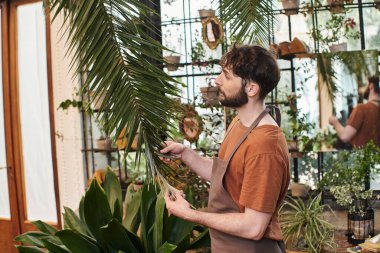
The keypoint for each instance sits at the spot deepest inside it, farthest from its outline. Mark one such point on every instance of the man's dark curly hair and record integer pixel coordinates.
(253, 64)
(375, 81)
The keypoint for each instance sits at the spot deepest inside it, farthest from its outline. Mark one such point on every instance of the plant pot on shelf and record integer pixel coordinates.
(338, 47)
(336, 6)
(205, 13)
(290, 6)
(104, 144)
(299, 190)
(122, 142)
(210, 95)
(292, 145)
(377, 4)
(172, 62)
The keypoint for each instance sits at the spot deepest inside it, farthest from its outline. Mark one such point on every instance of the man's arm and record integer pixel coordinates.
(200, 165)
(344, 133)
(250, 225)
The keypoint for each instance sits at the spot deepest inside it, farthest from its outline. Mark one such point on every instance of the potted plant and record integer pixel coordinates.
(299, 129)
(290, 6)
(198, 53)
(337, 6)
(104, 142)
(304, 226)
(210, 93)
(347, 179)
(336, 32)
(172, 40)
(172, 62)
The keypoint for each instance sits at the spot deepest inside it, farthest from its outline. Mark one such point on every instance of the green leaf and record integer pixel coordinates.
(72, 221)
(167, 248)
(132, 209)
(97, 211)
(158, 227)
(44, 227)
(117, 211)
(32, 238)
(179, 229)
(120, 238)
(148, 199)
(29, 249)
(113, 190)
(77, 243)
(52, 247)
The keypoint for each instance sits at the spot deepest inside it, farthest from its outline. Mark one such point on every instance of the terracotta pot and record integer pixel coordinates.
(205, 13)
(336, 6)
(104, 144)
(299, 190)
(122, 142)
(292, 145)
(210, 95)
(338, 47)
(172, 62)
(290, 6)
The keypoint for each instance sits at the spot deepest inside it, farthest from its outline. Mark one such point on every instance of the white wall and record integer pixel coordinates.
(67, 124)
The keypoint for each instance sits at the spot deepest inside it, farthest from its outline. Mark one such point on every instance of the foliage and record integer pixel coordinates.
(300, 221)
(356, 64)
(198, 53)
(101, 228)
(300, 127)
(213, 129)
(347, 175)
(335, 29)
(248, 19)
(122, 60)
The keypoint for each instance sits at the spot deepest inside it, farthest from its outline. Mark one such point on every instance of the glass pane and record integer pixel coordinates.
(34, 113)
(4, 194)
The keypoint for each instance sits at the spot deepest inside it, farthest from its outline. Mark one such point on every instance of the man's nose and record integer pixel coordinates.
(217, 80)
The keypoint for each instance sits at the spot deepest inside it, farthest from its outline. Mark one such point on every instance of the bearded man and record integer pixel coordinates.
(250, 177)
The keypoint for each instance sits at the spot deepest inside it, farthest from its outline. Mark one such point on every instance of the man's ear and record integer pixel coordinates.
(252, 89)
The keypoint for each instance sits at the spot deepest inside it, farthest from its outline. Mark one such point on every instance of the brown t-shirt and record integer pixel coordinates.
(258, 174)
(365, 118)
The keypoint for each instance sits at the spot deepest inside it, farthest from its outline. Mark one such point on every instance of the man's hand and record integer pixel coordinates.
(174, 149)
(177, 205)
(333, 120)
(345, 133)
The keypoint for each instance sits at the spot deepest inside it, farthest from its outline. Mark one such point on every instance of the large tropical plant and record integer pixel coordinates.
(112, 42)
(100, 227)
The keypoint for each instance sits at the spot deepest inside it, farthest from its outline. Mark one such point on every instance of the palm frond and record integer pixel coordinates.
(110, 41)
(328, 74)
(248, 19)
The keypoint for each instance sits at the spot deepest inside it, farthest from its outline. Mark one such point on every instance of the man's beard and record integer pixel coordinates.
(366, 93)
(235, 101)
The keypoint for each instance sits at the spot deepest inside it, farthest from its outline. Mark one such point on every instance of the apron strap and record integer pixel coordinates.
(277, 114)
(242, 139)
